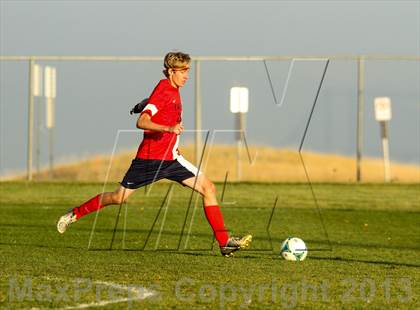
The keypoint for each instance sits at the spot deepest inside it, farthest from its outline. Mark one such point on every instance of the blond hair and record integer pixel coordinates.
(175, 60)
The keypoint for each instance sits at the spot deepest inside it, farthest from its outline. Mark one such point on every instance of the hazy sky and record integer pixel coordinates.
(209, 27)
(93, 98)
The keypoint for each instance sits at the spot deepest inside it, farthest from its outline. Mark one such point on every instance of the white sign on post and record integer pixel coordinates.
(239, 99)
(37, 80)
(50, 81)
(383, 116)
(50, 91)
(382, 109)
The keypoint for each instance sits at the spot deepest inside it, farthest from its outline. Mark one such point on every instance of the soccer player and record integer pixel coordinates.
(158, 157)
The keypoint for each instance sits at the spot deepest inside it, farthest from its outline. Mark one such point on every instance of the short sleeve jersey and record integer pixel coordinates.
(165, 108)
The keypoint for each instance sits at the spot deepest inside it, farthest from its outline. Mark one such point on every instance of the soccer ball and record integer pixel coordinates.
(293, 249)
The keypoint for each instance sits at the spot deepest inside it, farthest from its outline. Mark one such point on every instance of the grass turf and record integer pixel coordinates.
(371, 258)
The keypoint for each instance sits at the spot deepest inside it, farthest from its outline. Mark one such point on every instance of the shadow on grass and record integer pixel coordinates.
(33, 245)
(247, 254)
(351, 260)
(367, 245)
(313, 245)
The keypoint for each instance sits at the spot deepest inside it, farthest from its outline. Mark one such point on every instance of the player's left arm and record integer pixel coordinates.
(144, 122)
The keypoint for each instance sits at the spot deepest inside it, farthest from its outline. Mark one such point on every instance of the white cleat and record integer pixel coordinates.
(65, 221)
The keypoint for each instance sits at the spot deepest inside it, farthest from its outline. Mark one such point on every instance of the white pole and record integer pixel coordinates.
(240, 138)
(385, 147)
(239, 100)
(197, 113)
(38, 134)
(383, 115)
(360, 115)
(50, 127)
(37, 88)
(238, 161)
(50, 94)
(238, 147)
(30, 119)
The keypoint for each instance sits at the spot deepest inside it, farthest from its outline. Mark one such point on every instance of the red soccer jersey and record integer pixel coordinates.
(165, 108)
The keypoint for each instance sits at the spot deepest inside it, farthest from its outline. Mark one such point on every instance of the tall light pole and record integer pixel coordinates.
(383, 116)
(30, 119)
(37, 92)
(360, 115)
(197, 96)
(239, 102)
(50, 94)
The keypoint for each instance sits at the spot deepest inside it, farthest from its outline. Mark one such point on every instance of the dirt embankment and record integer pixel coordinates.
(266, 164)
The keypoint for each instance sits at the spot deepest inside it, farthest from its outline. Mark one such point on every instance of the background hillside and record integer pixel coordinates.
(269, 165)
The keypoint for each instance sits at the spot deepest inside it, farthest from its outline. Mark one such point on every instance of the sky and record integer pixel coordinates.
(93, 98)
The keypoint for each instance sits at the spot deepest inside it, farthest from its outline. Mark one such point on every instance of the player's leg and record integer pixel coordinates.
(140, 173)
(206, 188)
(188, 175)
(119, 196)
(214, 216)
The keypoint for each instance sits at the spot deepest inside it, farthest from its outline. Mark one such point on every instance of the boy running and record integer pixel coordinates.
(158, 157)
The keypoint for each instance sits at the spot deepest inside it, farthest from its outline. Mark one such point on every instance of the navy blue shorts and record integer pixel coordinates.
(146, 171)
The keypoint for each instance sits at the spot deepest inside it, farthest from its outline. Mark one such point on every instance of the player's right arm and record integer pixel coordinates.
(145, 122)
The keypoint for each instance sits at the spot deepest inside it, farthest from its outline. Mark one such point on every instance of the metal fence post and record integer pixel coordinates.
(197, 113)
(360, 114)
(30, 119)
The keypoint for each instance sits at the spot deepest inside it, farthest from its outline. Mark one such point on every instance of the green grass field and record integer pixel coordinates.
(371, 260)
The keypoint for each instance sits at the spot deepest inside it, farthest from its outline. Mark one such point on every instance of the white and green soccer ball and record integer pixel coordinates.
(293, 249)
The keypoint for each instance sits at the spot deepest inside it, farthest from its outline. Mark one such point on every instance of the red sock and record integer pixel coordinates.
(215, 219)
(88, 207)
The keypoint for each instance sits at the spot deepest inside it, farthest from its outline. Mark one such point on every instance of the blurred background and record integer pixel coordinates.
(93, 131)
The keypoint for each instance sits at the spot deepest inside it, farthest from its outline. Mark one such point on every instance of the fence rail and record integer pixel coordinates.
(359, 59)
(213, 58)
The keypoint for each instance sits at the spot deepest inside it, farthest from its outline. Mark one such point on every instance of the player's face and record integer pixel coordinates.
(179, 76)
